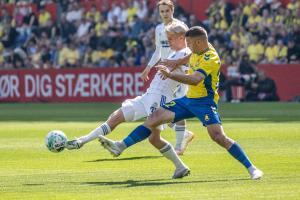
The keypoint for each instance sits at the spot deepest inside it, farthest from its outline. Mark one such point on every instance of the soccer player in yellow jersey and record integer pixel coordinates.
(200, 102)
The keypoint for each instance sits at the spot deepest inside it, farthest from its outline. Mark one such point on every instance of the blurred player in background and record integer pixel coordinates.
(201, 102)
(159, 92)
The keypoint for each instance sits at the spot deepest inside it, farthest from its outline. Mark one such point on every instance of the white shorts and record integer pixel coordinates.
(142, 106)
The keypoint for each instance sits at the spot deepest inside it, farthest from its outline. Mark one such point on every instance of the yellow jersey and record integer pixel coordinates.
(208, 64)
(255, 51)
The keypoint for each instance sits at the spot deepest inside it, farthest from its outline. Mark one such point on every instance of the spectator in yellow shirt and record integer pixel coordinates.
(248, 7)
(44, 17)
(131, 12)
(219, 22)
(69, 56)
(244, 37)
(282, 52)
(255, 50)
(93, 13)
(293, 5)
(266, 21)
(279, 16)
(253, 20)
(271, 51)
(101, 27)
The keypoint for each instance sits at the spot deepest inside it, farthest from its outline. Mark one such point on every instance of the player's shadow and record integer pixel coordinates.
(156, 182)
(124, 159)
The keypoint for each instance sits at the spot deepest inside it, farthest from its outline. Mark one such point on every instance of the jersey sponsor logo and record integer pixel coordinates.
(164, 43)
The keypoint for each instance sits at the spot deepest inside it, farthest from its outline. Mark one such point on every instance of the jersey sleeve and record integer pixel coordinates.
(157, 53)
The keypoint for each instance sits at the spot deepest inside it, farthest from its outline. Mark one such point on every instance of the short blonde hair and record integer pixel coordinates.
(177, 28)
(167, 3)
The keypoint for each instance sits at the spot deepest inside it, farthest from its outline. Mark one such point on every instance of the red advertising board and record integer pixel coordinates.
(108, 85)
(70, 85)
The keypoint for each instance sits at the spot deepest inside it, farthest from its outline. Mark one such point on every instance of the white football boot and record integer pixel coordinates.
(74, 144)
(110, 145)
(181, 172)
(255, 173)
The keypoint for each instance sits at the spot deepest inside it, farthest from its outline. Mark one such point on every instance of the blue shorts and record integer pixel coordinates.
(205, 109)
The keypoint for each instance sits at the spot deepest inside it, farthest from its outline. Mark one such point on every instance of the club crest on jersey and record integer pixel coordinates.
(206, 118)
(206, 57)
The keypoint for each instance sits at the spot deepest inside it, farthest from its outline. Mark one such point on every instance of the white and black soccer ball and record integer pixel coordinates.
(56, 141)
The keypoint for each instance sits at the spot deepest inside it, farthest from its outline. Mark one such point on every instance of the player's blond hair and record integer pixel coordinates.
(166, 3)
(177, 28)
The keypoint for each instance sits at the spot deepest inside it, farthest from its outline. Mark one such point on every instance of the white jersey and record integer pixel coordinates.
(160, 92)
(168, 86)
(162, 47)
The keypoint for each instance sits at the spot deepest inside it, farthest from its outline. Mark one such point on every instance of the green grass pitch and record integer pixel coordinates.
(269, 133)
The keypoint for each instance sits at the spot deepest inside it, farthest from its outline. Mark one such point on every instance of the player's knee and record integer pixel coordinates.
(115, 119)
(127, 112)
(219, 138)
(152, 121)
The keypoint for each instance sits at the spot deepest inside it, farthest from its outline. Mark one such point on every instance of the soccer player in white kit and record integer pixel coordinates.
(159, 92)
(176, 37)
(162, 52)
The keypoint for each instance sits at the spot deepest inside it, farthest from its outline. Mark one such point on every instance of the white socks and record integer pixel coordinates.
(103, 129)
(180, 130)
(169, 152)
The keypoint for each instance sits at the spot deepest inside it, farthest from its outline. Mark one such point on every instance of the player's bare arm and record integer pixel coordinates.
(174, 64)
(145, 74)
(191, 79)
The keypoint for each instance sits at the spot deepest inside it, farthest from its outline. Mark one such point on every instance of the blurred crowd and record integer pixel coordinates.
(250, 33)
(120, 35)
(106, 35)
(265, 30)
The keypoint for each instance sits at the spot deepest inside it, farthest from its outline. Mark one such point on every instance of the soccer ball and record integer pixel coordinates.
(56, 141)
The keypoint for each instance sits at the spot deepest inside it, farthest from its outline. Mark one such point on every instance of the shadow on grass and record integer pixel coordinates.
(156, 182)
(120, 159)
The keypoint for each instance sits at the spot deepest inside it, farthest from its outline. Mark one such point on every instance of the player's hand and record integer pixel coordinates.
(171, 64)
(144, 75)
(164, 71)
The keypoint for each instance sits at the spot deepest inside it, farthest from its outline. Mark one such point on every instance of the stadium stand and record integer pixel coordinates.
(45, 34)
(69, 33)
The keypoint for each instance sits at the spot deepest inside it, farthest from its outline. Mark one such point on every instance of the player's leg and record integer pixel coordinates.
(167, 150)
(139, 134)
(218, 135)
(116, 118)
(183, 136)
(172, 111)
(131, 110)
